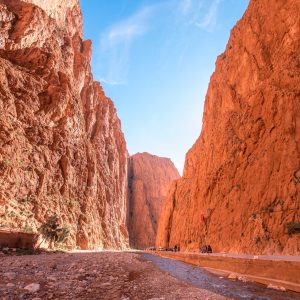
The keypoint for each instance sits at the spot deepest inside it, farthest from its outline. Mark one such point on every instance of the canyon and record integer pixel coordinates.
(62, 150)
(63, 157)
(240, 189)
(149, 179)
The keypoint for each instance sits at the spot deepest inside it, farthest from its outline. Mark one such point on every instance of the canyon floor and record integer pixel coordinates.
(118, 275)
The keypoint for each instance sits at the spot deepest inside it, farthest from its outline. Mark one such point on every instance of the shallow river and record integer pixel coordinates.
(201, 278)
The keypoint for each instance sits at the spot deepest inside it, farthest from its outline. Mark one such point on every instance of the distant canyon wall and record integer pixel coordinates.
(62, 150)
(240, 191)
(149, 180)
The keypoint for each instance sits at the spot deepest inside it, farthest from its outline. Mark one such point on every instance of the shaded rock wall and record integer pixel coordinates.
(12, 239)
(240, 187)
(61, 146)
(150, 177)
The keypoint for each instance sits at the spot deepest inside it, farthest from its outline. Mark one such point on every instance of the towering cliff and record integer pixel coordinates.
(240, 189)
(149, 180)
(62, 150)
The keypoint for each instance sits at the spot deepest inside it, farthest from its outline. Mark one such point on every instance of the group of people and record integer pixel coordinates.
(177, 248)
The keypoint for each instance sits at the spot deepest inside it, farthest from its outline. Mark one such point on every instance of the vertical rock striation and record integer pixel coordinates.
(241, 183)
(61, 146)
(149, 180)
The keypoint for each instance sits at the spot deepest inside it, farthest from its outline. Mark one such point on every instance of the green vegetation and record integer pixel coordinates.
(53, 232)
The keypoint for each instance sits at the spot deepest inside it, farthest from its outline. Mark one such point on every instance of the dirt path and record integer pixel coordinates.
(105, 275)
(115, 275)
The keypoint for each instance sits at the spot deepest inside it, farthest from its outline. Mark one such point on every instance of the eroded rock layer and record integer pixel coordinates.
(150, 177)
(62, 150)
(241, 183)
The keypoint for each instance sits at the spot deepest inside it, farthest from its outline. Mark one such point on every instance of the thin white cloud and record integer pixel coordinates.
(127, 30)
(210, 19)
(103, 80)
(185, 6)
(116, 43)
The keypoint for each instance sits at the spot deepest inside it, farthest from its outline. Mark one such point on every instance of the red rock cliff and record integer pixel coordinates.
(61, 146)
(241, 183)
(149, 180)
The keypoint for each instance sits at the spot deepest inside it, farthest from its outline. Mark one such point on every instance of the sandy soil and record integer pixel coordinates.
(105, 275)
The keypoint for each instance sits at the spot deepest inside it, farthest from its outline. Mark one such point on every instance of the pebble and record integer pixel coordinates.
(51, 278)
(105, 284)
(32, 288)
(10, 275)
(275, 287)
(232, 276)
(10, 285)
(39, 273)
(243, 279)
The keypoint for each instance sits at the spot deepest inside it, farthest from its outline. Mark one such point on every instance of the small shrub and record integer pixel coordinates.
(53, 232)
(293, 228)
(63, 234)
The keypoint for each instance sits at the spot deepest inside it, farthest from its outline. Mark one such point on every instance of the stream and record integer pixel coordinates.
(203, 279)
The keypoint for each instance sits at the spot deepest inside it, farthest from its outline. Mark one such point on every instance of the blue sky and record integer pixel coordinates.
(154, 59)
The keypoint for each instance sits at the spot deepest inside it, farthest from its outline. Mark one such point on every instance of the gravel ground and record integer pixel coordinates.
(104, 275)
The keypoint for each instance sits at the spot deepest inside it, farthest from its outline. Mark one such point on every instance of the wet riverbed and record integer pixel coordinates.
(213, 283)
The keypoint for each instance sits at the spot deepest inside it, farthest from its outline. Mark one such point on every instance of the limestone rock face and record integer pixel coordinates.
(241, 182)
(149, 180)
(61, 146)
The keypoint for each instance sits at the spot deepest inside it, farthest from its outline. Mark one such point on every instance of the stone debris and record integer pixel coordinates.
(243, 279)
(232, 276)
(10, 275)
(84, 276)
(32, 288)
(275, 287)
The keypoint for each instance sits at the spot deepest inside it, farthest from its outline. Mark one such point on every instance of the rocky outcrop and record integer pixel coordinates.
(14, 240)
(240, 188)
(62, 150)
(150, 177)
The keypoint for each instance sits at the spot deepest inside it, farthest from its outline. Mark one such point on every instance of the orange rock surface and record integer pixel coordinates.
(150, 177)
(241, 182)
(61, 146)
